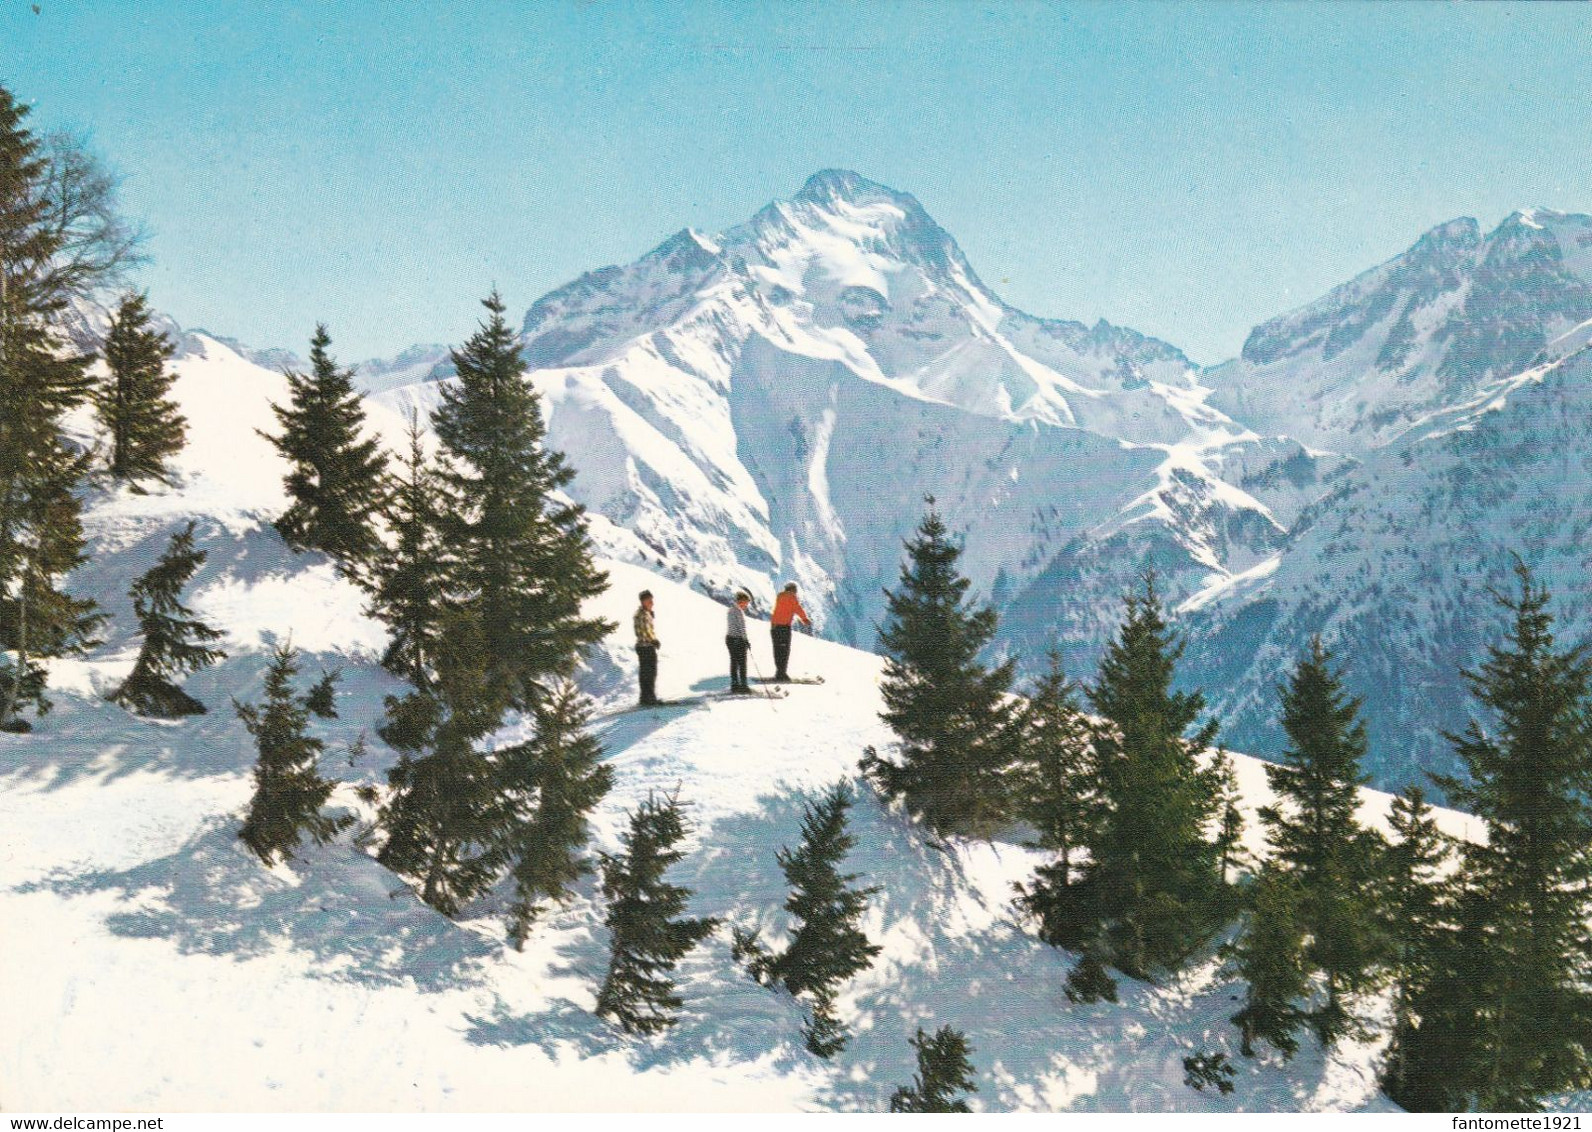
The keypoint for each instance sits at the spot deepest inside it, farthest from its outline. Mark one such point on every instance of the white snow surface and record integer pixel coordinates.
(151, 963)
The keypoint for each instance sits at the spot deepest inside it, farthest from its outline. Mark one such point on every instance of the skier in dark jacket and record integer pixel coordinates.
(735, 640)
(647, 650)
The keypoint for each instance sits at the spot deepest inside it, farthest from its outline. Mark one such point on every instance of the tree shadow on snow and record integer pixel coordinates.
(332, 903)
(954, 954)
(83, 738)
(85, 735)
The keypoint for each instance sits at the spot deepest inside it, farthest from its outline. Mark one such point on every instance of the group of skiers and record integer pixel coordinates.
(787, 610)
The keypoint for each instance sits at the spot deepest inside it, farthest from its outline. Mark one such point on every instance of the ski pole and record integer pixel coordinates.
(768, 689)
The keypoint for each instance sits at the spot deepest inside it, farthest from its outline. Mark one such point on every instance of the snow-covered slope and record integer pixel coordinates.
(1393, 568)
(152, 964)
(1452, 380)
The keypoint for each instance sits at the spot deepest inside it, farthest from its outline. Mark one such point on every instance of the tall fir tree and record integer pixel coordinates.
(1058, 793)
(647, 933)
(827, 944)
(1154, 880)
(174, 640)
(145, 426)
(945, 1074)
(1269, 955)
(1230, 853)
(336, 476)
(958, 728)
(517, 556)
(1317, 839)
(1510, 1013)
(409, 585)
(443, 817)
(484, 591)
(551, 784)
(39, 619)
(288, 788)
(1417, 914)
(49, 253)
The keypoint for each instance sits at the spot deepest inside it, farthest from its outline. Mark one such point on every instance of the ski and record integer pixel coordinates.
(767, 693)
(789, 680)
(689, 701)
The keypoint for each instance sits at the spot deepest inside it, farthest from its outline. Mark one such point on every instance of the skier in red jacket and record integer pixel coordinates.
(786, 608)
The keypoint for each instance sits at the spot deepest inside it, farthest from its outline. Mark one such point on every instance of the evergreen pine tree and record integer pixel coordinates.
(1269, 957)
(321, 699)
(1417, 915)
(517, 557)
(945, 1074)
(38, 618)
(552, 783)
(336, 479)
(1230, 853)
(288, 789)
(648, 936)
(1154, 873)
(173, 639)
(827, 946)
(409, 585)
(146, 427)
(1057, 788)
(1514, 999)
(958, 728)
(443, 817)
(1089, 981)
(1317, 839)
(41, 380)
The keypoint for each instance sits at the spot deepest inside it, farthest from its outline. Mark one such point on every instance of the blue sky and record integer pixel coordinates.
(1186, 170)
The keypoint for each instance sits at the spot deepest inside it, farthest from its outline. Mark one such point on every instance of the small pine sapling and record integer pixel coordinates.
(827, 946)
(945, 1075)
(1269, 955)
(321, 699)
(145, 426)
(550, 785)
(288, 789)
(648, 936)
(1211, 1069)
(173, 638)
(1089, 981)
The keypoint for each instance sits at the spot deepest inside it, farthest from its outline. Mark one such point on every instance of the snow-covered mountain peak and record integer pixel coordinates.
(687, 252)
(829, 185)
(842, 226)
(1424, 331)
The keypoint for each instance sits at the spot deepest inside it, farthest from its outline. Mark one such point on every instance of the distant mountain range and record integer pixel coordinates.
(775, 401)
